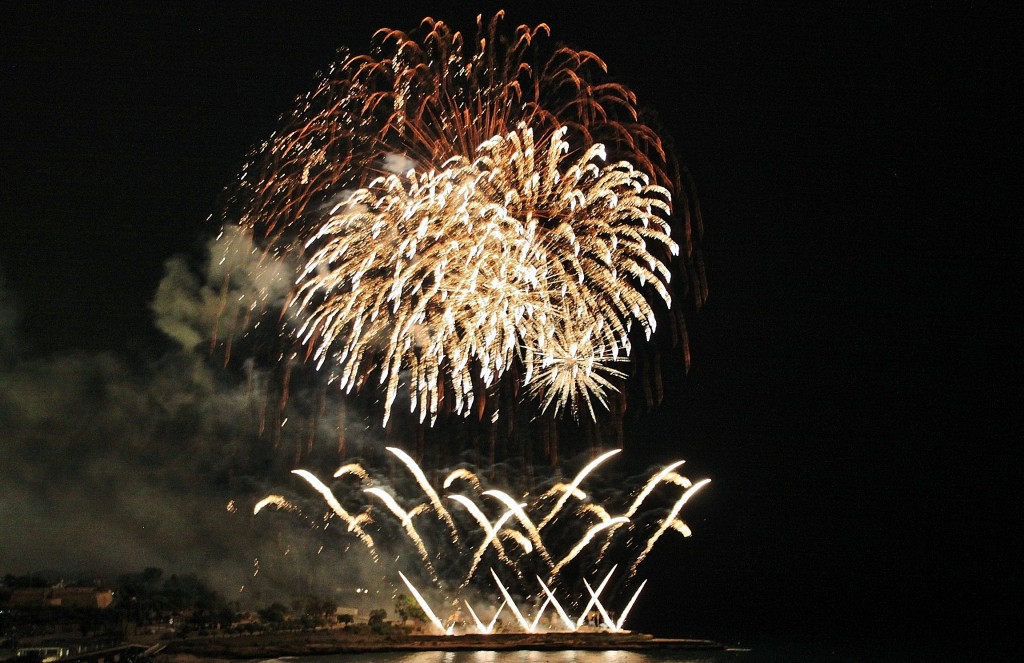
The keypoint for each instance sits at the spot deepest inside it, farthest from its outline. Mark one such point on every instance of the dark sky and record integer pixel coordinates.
(856, 385)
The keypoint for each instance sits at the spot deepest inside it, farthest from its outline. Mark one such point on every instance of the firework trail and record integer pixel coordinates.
(485, 525)
(428, 490)
(558, 606)
(594, 595)
(466, 475)
(629, 606)
(582, 543)
(600, 607)
(354, 522)
(491, 535)
(574, 486)
(354, 469)
(405, 517)
(562, 488)
(681, 527)
(521, 539)
(667, 475)
(423, 605)
(540, 613)
(667, 522)
(599, 511)
(277, 500)
(465, 555)
(486, 630)
(511, 604)
(523, 519)
(530, 231)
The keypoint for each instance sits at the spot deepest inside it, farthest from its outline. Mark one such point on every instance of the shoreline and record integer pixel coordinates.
(318, 644)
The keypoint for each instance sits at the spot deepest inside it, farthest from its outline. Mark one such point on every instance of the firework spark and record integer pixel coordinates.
(354, 522)
(485, 525)
(587, 538)
(508, 521)
(668, 522)
(424, 606)
(512, 604)
(405, 517)
(594, 595)
(428, 490)
(572, 488)
(558, 606)
(462, 210)
(629, 606)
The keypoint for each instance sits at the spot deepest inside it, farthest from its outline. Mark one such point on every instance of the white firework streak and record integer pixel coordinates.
(524, 519)
(486, 630)
(511, 604)
(597, 603)
(536, 619)
(277, 500)
(481, 519)
(352, 468)
(406, 520)
(423, 604)
(587, 538)
(479, 554)
(558, 606)
(562, 487)
(421, 479)
(668, 475)
(479, 624)
(531, 530)
(593, 595)
(595, 509)
(461, 473)
(629, 606)
(649, 487)
(681, 527)
(667, 522)
(519, 538)
(572, 488)
(332, 501)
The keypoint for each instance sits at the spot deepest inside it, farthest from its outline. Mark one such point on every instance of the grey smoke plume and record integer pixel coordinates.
(242, 284)
(107, 468)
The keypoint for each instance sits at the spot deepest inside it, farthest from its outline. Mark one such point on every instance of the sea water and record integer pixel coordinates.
(803, 653)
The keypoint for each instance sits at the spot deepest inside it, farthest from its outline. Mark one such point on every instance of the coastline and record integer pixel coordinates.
(325, 643)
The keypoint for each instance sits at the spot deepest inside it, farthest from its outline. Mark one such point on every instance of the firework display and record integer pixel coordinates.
(461, 212)
(499, 550)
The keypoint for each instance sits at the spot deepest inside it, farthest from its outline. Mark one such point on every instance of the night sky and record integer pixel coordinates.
(850, 394)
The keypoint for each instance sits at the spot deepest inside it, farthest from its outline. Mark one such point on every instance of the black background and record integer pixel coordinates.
(855, 394)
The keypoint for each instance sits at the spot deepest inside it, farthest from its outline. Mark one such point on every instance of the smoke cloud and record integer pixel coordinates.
(108, 467)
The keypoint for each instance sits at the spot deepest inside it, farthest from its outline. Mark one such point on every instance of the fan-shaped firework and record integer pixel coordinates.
(458, 214)
(545, 547)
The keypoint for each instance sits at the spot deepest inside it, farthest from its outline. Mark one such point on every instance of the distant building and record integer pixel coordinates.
(66, 597)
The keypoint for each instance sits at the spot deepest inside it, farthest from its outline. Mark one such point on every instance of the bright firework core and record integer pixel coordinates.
(457, 271)
(462, 214)
(476, 553)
